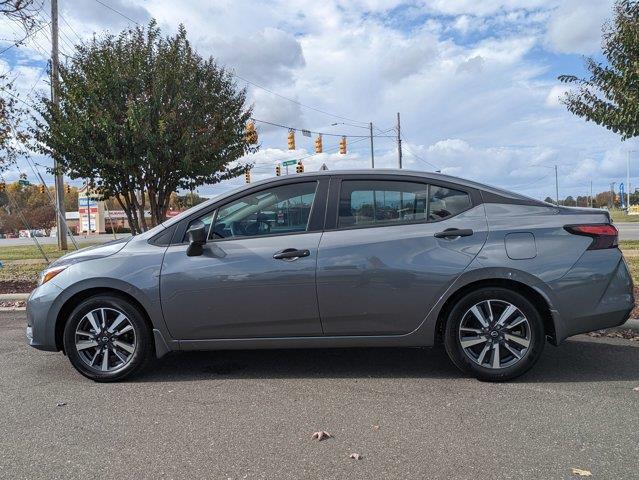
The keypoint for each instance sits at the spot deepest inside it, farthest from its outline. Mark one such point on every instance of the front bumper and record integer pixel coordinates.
(41, 319)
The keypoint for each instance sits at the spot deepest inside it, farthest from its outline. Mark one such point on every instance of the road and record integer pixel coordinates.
(628, 230)
(252, 414)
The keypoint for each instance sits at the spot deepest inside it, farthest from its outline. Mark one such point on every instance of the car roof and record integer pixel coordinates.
(498, 193)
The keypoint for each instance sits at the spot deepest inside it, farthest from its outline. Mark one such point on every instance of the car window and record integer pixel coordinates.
(207, 220)
(446, 202)
(278, 210)
(380, 202)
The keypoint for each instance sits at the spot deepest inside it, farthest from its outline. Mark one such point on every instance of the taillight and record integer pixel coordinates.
(603, 235)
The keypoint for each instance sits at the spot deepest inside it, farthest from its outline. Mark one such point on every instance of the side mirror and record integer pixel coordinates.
(197, 238)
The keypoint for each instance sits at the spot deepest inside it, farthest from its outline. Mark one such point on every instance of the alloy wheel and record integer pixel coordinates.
(494, 334)
(105, 339)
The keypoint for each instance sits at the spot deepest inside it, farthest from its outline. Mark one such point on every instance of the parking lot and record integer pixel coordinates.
(251, 414)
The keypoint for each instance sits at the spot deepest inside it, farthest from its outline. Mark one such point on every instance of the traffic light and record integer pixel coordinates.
(251, 133)
(68, 189)
(247, 175)
(41, 188)
(278, 170)
(299, 168)
(318, 144)
(3, 187)
(291, 139)
(342, 146)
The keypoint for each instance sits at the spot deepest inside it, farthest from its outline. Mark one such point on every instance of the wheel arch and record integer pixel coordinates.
(74, 300)
(535, 297)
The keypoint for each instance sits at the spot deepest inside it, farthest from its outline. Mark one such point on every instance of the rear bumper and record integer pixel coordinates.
(596, 293)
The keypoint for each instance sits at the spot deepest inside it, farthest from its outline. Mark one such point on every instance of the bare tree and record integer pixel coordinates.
(24, 11)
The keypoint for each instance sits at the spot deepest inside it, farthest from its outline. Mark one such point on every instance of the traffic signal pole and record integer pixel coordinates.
(55, 81)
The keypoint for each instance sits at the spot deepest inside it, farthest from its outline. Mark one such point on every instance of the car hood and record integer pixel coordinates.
(90, 253)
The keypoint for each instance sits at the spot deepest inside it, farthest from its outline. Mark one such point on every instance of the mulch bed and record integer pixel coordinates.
(17, 286)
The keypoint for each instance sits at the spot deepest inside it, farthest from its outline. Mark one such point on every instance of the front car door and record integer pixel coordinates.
(382, 261)
(247, 284)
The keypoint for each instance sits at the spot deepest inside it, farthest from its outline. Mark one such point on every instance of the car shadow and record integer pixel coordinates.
(582, 359)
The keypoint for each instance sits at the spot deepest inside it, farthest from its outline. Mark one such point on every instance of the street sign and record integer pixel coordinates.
(24, 182)
(288, 163)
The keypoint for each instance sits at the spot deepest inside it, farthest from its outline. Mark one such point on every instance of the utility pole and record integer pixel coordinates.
(55, 83)
(628, 181)
(399, 141)
(556, 186)
(590, 193)
(372, 149)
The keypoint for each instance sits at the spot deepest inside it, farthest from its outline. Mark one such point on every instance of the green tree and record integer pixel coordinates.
(610, 94)
(142, 115)
(569, 201)
(12, 136)
(549, 200)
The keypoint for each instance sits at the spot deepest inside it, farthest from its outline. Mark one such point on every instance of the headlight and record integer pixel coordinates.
(49, 273)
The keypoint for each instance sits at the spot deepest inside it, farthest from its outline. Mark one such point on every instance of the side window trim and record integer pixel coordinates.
(316, 218)
(336, 192)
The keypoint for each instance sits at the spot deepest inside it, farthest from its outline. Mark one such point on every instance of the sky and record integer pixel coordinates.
(475, 82)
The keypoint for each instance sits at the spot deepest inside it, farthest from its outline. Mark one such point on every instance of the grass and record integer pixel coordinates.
(29, 252)
(28, 271)
(621, 216)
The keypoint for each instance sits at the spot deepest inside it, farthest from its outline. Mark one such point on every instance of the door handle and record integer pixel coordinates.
(454, 232)
(291, 254)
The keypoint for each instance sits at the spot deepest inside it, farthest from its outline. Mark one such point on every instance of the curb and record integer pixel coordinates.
(13, 297)
(632, 324)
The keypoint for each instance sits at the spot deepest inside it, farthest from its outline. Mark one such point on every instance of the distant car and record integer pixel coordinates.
(341, 259)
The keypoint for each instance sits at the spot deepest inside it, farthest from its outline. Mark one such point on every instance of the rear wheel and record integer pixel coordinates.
(495, 334)
(107, 338)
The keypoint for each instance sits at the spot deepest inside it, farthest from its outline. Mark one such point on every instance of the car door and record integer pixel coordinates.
(256, 275)
(394, 248)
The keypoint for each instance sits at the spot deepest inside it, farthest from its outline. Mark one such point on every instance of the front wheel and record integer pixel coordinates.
(107, 339)
(495, 334)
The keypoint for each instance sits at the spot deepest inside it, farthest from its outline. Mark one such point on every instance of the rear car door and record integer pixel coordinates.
(247, 283)
(395, 246)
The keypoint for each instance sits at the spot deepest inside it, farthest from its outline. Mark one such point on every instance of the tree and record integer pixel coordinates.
(569, 201)
(142, 115)
(12, 137)
(25, 208)
(24, 11)
(549, 200)
(610, 95)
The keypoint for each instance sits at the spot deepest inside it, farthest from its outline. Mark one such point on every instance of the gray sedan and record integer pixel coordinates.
(378, 258)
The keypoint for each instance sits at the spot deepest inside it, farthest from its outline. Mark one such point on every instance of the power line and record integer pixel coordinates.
(15, 44)
(406, 146)
(116, 11)
(294, 101)
(317, 133)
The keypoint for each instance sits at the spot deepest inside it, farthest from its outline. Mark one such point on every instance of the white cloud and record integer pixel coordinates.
(575, 26)
(474, 80)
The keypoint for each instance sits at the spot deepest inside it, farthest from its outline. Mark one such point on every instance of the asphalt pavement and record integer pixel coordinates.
(251, 414)
(628, 230)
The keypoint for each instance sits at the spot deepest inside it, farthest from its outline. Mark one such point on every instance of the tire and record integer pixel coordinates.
(502, 355)
(122, 332)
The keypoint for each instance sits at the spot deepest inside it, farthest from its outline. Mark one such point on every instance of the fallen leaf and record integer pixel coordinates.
(375, 427)
(60, 404)
(356, 456)
(581, 473)
(636, 389)
(321, 435)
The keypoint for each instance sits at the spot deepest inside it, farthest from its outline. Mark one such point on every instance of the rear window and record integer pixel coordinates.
(381, 202)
